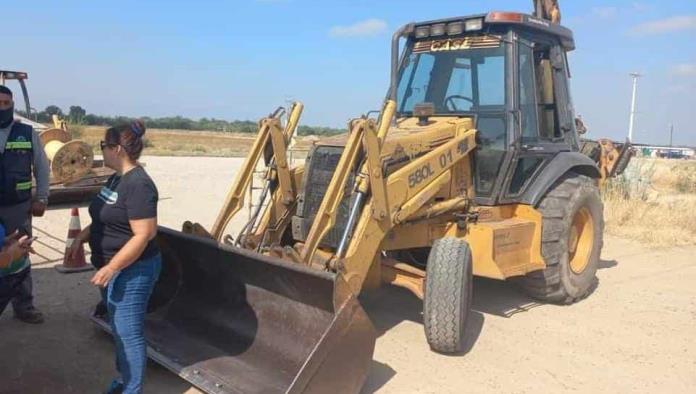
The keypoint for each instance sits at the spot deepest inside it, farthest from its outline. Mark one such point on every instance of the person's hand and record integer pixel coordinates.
(20, 246)
(38, 208)
(12, 237)
(103, 276)
(79, 240)
(25, 243)
(74, 249)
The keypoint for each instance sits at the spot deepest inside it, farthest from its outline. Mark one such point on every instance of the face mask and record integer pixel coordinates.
(6, 116)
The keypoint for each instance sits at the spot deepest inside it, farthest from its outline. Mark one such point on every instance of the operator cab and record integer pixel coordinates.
(506, 70)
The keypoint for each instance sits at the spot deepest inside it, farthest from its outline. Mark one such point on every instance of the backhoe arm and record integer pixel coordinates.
(271, 132)
(547, 9)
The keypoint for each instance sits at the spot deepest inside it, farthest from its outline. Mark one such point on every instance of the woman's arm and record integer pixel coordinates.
(144, 230)
(81, 238)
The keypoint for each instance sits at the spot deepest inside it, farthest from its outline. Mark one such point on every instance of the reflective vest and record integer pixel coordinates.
(16, 165)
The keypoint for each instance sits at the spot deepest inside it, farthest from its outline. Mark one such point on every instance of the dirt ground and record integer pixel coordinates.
(635, 333)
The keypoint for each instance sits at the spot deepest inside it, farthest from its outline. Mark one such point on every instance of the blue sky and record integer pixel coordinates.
(240, 59)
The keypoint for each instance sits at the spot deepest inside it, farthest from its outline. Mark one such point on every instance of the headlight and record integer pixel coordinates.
(455, 28)
(474, 24)
(438, 29)
(422, 31)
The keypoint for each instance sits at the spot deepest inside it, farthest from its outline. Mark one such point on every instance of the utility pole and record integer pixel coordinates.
(635, 77)
(671, 131)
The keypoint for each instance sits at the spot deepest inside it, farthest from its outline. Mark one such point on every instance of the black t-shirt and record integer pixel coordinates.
(132, 196)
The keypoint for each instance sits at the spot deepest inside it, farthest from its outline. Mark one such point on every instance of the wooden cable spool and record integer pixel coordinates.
(69, 159)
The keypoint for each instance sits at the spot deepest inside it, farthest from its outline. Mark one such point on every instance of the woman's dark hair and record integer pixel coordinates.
(129, 136)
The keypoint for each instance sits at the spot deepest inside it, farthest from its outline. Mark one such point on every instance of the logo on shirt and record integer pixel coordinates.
(108, 196)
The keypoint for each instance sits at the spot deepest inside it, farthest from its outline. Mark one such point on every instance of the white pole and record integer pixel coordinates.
(631, 121)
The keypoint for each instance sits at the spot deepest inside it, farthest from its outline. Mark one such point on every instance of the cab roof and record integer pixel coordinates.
(521, 21)
(6, 75)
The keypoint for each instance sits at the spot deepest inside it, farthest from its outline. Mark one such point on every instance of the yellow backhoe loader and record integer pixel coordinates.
(473, 167)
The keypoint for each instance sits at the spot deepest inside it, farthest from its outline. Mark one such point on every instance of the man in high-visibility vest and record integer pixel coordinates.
(21, 155)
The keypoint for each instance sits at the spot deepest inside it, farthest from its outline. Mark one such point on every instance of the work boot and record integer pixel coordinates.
(31, 316)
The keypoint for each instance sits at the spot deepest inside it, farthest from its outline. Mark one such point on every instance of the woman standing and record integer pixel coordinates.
(121, 238)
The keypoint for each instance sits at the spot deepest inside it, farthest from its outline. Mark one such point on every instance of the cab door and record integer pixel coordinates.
(494, 122)
(543, 114)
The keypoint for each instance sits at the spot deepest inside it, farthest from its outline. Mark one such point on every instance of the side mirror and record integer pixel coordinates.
(566, 127)
(580, 126)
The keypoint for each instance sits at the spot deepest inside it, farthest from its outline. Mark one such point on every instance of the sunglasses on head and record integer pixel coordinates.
(104, 144)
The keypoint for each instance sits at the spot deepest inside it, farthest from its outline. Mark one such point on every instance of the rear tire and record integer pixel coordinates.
(571, 241)
(448, 289)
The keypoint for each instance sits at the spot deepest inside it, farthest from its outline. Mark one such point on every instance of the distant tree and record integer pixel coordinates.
(53, 110)
(76, 114)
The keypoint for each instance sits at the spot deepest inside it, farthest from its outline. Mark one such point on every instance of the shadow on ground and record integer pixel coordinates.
(389, 306)
(66, 354)
(604, 264)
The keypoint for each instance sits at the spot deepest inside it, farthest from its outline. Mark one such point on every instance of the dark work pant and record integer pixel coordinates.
(16, 288)
(18, 217)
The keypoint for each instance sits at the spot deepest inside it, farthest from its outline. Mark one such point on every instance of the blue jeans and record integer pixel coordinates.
(126, 297)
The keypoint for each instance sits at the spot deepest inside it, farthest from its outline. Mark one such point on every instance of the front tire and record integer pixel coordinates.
(571, 241)
(448, 290)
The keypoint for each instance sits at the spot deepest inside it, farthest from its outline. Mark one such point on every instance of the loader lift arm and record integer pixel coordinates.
(409, 189)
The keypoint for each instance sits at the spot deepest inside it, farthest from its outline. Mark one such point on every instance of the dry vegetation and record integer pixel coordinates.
(653, 202)
(177, 142)
(159, 142)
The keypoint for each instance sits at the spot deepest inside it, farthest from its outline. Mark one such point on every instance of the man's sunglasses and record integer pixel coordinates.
(104, 144)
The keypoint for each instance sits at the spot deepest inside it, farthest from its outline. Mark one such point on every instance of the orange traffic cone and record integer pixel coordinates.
(70, 264)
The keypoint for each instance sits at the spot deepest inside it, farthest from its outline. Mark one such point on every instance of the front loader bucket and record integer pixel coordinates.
(232, 321)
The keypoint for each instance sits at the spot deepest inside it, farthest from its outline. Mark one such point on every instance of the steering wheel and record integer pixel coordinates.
(450, 100)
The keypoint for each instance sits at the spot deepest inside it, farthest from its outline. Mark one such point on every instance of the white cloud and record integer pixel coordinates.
(677, 23)
(605, 12)
(684, 70)
(366, 28)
